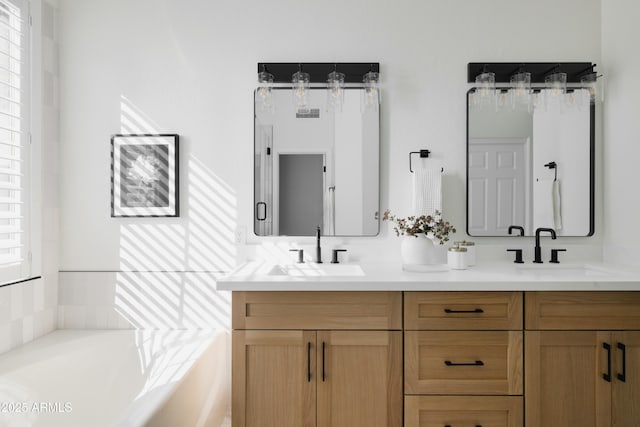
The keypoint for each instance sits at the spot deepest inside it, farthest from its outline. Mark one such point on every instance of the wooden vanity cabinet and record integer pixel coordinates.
(287, 375)
(581, 369)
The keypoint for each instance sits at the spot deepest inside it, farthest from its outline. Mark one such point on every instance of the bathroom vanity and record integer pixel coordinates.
(498, 345)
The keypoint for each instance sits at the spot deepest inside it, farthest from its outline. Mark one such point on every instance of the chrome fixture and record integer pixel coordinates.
(335, 90)
(538, 250)
(300, 81)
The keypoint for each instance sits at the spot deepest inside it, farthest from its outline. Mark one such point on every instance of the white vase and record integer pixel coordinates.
(417, 250)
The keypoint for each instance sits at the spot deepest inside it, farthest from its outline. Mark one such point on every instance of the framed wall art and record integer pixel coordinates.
(144, 175)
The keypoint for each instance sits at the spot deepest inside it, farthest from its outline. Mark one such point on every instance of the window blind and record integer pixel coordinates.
(14, 140)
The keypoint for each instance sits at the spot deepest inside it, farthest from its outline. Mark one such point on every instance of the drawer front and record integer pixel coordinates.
(463, 310)
(442, 362)
(317, 310)
(463, 411)
(582, 310)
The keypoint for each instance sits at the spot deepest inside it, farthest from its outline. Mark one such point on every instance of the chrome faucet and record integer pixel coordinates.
(318, 249)
(538, 250)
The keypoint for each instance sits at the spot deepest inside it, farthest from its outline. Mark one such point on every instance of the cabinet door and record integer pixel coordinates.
(626, 379)
(564, 379)
(274, 380)
(359, 379)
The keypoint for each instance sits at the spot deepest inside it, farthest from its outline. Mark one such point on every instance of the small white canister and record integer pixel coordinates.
(457, 258)
(471, 251)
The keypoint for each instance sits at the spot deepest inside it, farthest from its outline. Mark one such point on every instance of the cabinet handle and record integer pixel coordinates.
(449, 425)
(607, 376)
(476, 363)
(475, 310)
(323, 361)
(308, 362)
(623, 376)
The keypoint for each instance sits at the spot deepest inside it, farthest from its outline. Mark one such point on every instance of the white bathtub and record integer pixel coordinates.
(117, 378)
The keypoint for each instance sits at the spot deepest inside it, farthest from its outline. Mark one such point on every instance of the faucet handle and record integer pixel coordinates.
(300, 255)
(334, 256)
(554, 255)
(518, 252)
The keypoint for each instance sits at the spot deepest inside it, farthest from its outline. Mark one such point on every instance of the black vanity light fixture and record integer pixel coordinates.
(516, 83)
(335, 76)
(503, 71)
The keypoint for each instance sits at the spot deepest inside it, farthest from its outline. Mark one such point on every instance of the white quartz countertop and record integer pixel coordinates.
(267, 276)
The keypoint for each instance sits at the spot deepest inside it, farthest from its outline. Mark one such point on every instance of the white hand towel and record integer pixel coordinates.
(557, 211)
(427, 191)
(329, 216)
(543, 204)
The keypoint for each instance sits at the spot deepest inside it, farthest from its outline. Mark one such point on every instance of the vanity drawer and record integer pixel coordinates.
(463, 362)
(462, 310)
(582, 310)
(463, 411)
(317, 310)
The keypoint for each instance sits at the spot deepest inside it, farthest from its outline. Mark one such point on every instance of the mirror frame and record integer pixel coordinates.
(255, 202)
(592, 169)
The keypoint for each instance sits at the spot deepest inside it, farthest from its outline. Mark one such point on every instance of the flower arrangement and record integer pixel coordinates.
(432, 226)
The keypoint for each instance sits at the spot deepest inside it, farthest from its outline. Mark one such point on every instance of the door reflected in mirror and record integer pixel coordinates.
(531, 168)
(314, 167)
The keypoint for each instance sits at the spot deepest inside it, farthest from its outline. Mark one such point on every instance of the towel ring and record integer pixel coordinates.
(423, 155)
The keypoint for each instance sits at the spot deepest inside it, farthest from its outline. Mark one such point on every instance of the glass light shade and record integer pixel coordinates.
(594, 85)
(556, 83)
(371, 94)
(300, 90)
(486, 85)
(335, 91)
(265, 84)
(520, 90)
(503, 100)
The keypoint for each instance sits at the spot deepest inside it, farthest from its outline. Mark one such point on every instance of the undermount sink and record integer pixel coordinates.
(564, 270)
(316, 270)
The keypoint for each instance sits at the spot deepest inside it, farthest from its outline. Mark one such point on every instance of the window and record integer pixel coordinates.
(14, 141)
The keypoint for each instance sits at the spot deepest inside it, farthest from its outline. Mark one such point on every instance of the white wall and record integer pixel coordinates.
(621, 130)
(190, 67)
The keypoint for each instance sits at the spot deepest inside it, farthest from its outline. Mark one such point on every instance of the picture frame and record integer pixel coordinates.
(144, 175)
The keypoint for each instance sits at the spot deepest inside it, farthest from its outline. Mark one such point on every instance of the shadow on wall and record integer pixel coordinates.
(168, 266)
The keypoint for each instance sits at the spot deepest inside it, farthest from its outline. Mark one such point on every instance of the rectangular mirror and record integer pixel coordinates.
(531, 168)
(314, 167)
